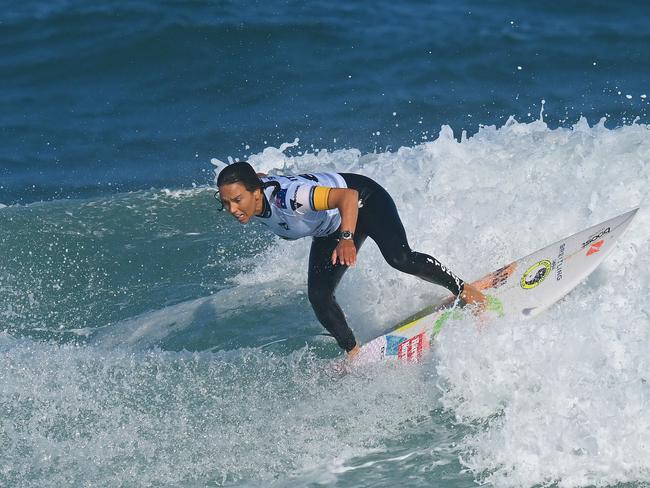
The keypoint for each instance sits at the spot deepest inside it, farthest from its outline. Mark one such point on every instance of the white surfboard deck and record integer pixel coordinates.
(523, 288)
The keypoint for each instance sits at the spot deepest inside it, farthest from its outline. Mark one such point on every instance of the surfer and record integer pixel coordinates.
(339, 211)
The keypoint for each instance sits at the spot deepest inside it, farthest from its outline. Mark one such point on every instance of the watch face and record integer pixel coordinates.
(346, 234)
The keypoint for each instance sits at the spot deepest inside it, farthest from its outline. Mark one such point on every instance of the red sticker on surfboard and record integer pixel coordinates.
(595, 247)
(411, 349)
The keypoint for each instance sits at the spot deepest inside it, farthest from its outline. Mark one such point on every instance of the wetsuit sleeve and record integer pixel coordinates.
(311, 198)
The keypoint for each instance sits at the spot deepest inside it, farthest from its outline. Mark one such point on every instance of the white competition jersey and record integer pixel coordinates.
(290, 213)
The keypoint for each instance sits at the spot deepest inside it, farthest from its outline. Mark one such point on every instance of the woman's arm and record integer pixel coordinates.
(346, 201)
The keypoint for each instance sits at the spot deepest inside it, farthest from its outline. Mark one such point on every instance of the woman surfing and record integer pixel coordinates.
(339, 211)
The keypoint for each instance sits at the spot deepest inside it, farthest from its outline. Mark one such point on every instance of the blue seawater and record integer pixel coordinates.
(131, 94)
(147, 339)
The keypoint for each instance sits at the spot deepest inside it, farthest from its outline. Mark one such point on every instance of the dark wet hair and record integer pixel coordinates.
(244, 173)
(240, 172)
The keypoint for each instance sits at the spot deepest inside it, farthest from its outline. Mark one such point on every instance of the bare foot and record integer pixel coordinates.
(472, 296)
(344, 365)
(353, 352)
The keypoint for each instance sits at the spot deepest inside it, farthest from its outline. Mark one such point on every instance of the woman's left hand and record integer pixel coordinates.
(345, 253)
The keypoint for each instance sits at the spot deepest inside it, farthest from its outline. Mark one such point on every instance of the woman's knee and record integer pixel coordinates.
(400, 259)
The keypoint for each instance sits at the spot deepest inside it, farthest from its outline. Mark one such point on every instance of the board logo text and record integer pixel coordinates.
(560, 262)
(595, 237)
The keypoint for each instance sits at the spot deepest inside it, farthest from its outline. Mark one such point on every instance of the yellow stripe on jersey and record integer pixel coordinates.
(319, 197)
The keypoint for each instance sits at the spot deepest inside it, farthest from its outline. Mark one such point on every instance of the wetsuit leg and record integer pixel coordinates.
(379, 220)
(322, 280)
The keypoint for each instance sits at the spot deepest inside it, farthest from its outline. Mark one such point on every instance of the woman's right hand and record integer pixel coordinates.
(345, 253)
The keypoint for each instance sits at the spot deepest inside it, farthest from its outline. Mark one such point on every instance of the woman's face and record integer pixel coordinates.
(240, 202)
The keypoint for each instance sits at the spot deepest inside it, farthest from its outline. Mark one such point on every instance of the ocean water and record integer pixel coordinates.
(147, 339)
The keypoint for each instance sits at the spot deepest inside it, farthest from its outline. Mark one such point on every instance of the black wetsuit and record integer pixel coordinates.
(379, 220)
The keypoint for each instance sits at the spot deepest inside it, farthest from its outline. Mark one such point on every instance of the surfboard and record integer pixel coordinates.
(523, 288)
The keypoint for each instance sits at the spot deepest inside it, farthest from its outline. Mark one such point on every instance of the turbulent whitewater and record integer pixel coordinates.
(148, 339)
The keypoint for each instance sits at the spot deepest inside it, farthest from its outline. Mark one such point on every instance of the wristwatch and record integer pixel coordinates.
(346, 235)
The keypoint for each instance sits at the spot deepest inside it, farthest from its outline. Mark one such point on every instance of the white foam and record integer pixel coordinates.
(184, 193)
(177, 418)
(566, 393)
